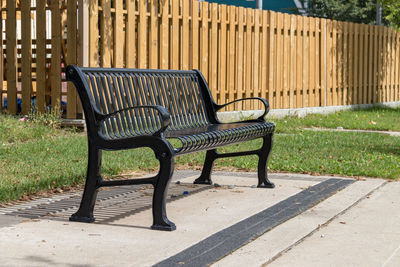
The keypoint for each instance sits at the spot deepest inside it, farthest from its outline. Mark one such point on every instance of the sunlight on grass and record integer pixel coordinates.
(36, 157)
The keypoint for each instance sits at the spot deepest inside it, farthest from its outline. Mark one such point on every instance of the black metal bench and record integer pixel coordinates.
(131, 108)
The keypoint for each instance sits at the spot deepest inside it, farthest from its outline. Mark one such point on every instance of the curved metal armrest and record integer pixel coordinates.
(264, 101)
(162, 112)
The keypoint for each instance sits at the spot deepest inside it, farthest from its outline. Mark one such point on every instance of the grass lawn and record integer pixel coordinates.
(382, 119)
(35, 157)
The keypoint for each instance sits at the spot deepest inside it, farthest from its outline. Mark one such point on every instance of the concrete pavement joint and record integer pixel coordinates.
(324, 224)
(391, 256)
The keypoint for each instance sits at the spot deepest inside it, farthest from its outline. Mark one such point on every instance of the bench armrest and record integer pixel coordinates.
(264, 101)
(162, 112)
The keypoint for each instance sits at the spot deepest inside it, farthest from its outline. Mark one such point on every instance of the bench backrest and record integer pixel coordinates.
(184, 93)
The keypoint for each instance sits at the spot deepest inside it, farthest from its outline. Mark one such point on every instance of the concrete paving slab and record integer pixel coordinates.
(129, 241)
(288, 234)
(366, 235)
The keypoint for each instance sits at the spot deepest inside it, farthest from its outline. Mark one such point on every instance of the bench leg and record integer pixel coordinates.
(205, 177)
(85, 212)
(263, 155)
(160, 220)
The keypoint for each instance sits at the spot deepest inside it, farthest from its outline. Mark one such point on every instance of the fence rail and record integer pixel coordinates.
(293, 61)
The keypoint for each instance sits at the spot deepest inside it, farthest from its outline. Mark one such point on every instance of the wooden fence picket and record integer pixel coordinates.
(71, 58)
(11, 44)
(222, 64)
(26, 49)
(299, 62)
(118, 44)
(55, 70)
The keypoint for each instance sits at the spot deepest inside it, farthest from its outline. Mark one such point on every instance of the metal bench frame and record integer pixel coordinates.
(132, 108)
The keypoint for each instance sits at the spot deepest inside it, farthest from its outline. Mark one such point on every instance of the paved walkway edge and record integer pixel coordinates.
(300, 112)
(293, 232)
(352, 131)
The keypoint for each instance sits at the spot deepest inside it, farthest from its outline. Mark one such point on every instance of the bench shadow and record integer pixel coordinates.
(386, 149)
(128, 226)
(113, 209)
(49, 262)
(108, 215)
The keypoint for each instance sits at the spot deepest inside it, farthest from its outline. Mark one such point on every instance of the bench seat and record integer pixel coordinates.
(215, 135)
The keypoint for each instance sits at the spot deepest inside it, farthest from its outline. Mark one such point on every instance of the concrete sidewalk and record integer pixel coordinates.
(304, 221)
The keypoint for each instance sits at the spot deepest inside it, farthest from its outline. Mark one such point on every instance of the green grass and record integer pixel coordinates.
(383, 119)
(15, 131)
(37, 157)
(366, 154)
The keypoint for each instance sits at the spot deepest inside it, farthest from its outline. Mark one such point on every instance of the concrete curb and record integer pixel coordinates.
(298, 112)
(352, 131)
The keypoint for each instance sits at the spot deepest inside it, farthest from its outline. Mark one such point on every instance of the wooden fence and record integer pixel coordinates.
(34, 37)
(293, 61)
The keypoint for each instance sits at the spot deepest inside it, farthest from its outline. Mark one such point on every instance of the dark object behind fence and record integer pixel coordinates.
(131, 108)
